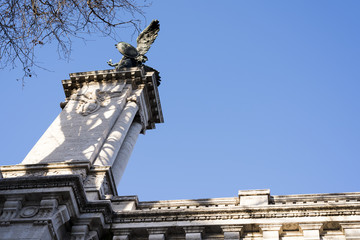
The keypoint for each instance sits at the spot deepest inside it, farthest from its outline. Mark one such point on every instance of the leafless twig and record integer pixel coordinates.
(25, 24)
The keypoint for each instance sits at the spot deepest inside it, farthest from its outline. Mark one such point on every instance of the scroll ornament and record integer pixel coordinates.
(91, 102)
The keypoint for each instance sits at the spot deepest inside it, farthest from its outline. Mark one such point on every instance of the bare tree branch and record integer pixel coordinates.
(26, 24)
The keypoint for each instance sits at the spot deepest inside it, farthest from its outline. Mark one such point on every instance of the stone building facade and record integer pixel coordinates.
(66, 186)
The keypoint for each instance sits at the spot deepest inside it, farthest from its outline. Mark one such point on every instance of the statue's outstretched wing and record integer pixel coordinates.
(147, 37)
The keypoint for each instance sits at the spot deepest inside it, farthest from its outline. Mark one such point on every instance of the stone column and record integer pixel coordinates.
(117, 135)
(351, 230)
(193, 232)
(122, 234)
(271, 231)
(311, 231)
(232, 232)
(157, 233)
(125, 151)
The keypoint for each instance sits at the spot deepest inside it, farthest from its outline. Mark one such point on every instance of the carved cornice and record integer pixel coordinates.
(49, 169)
(315, 198)
(283, 201)
(189, 203)
(77, 80)
(184, 214)
(53, 182)
(237, 213)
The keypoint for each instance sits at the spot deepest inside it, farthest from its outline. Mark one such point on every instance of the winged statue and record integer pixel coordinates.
(132, 56)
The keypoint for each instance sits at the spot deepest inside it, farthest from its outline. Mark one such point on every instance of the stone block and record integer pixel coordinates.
(254, 197)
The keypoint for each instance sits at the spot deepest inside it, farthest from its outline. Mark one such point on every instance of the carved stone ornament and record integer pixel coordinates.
(91, 102)
(28, 212)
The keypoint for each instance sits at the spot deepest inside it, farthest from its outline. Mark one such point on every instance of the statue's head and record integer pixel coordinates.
(127, 49)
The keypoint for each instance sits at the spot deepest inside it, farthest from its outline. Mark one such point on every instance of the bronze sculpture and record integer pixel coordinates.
(132, 56)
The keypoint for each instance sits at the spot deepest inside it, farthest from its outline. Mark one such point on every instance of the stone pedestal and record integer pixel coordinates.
(64, 186)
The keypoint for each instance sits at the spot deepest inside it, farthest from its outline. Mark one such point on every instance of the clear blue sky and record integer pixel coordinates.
(255, 94)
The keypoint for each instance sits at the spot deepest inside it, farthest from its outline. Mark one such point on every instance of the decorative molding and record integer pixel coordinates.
(92, 101)
(54, 182)
(28, 212)
(100, 179)
(53, 210)
(12, 205)
(232, 228)
(232, 231)
(122, 234)
(310, 226)
(193, 229)
(270, 227)
(235, 213)
(78, 80)
(35, 170)
(157, 230)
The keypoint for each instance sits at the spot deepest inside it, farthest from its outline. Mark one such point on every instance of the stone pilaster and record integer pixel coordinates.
(232, 232)
(157, 233)
(270, 231)
(193, 232)
(351, 230)
(125, 151)
(117, 135)
(311, 231)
